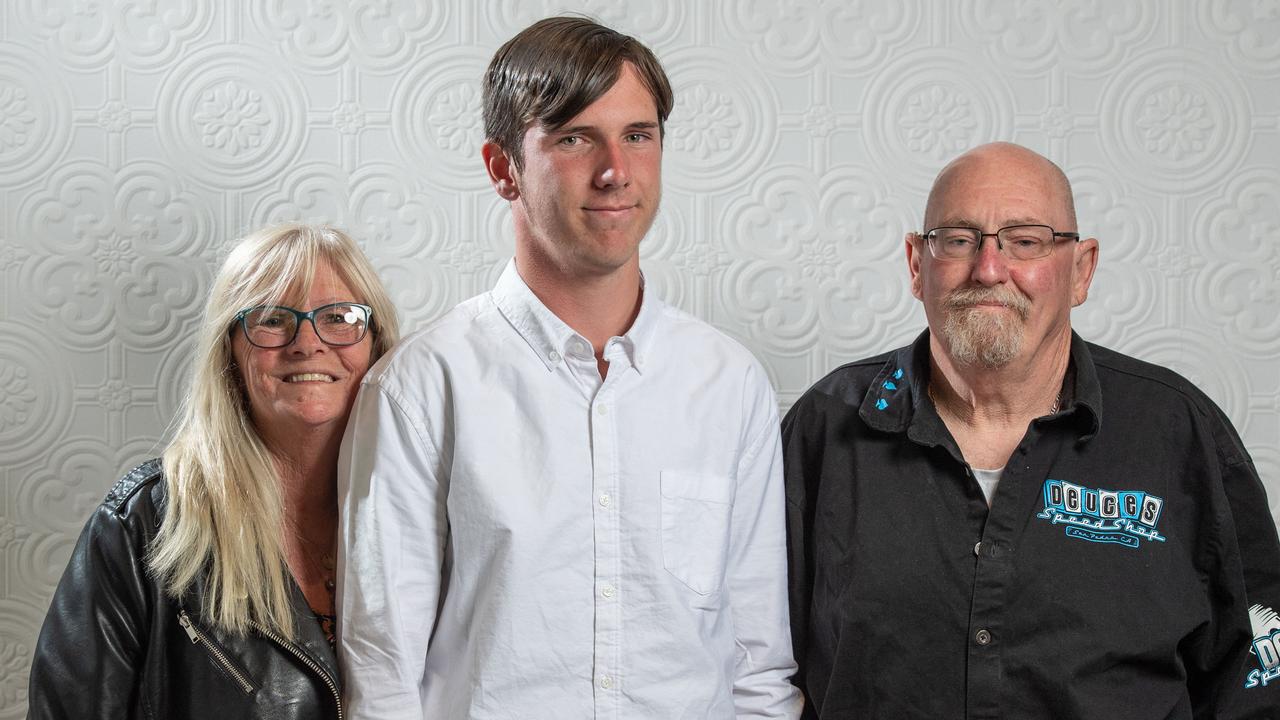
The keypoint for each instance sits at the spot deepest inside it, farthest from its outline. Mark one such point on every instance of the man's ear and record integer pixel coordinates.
(502, 172)
(913, 243)
(1082, 267)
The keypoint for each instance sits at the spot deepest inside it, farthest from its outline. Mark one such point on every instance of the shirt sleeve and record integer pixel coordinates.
(757, 576)
(393, 528)
(800, 462)
(90, 648)
(1245, 683)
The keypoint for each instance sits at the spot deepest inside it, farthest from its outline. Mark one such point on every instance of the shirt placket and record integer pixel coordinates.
(1016, 494)
(987, 612)
(606, 506)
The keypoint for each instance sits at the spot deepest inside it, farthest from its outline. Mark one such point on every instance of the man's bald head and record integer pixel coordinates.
(1031, 169)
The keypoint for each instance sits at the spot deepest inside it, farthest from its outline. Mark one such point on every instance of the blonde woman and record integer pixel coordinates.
(202, 587)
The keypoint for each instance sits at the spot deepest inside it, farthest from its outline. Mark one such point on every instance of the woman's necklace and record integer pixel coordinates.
(321, 564)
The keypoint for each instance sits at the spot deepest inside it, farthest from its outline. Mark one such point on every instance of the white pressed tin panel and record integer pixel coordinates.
(137, 138)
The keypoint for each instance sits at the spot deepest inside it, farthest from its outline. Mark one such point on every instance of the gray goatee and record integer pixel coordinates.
(979, 337)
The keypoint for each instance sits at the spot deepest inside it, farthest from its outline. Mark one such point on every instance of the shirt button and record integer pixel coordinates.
(602, 409)
(553, 356)
(606, 682)
(607, 591)
(605, 500)
(982, 637)
(977, 548)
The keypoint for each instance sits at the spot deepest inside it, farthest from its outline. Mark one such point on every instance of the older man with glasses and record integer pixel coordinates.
(1002, 520)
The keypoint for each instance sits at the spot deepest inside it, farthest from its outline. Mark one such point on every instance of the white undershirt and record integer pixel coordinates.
(987, 480)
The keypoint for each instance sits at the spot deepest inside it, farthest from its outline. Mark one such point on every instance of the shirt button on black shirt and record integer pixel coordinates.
(982, 637)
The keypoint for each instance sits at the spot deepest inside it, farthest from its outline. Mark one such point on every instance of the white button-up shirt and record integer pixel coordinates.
(524, 540)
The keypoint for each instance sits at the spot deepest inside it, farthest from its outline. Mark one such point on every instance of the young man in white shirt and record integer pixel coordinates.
(563, 499)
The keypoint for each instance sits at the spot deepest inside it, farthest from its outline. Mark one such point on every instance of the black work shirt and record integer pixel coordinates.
(1113, 575)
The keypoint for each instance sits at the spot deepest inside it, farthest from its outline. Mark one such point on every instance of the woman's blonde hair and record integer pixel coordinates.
(224, 519)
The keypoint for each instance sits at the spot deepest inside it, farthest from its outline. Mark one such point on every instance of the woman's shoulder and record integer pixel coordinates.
(139, 492)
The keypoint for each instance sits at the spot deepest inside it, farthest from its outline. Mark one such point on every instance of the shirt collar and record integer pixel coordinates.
(551, 338)
(898, 399)
(641, 337)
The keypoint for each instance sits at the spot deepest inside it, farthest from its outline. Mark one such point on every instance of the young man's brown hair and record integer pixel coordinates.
(553, 70)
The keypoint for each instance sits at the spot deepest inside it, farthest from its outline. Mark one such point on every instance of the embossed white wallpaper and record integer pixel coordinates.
(137, 137)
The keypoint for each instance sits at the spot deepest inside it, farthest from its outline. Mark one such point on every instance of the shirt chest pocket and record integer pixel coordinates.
(696, 513)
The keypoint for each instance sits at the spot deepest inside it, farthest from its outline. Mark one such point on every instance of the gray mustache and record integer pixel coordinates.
(967, 297)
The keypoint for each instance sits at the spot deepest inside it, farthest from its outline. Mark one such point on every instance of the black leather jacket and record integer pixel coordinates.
(114, 645)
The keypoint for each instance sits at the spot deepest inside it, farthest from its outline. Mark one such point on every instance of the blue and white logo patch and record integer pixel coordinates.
(1120, 517)
(1266, 646)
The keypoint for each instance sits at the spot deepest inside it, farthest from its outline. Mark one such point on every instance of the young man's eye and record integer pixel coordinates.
(570, 140)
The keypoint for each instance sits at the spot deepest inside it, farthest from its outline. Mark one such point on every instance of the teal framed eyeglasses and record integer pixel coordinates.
(274, 326)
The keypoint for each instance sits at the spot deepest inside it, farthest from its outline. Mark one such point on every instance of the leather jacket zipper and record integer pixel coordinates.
(298, 653)
(215, 652)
